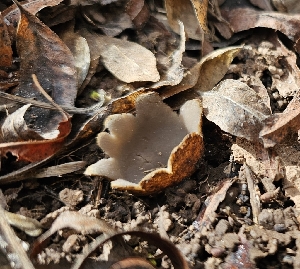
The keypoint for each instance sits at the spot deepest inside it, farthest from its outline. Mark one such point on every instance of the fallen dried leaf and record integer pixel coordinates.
(42, 53)
(200, 8)
(241, 19)
(174, 73)
(211, 205)
(207, 73)
(235, 108)
(12, 14)
(138, 12)
(182, 10)
(137, 154)
(288, 6)
(254, 193)
(5, 45)
(126, 60)
(278, 126)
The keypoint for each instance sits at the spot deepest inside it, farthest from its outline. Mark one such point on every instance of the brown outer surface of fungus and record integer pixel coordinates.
(141, 144)
(181, 164)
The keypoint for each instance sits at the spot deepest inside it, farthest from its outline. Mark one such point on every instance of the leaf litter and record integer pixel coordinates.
(70, 71)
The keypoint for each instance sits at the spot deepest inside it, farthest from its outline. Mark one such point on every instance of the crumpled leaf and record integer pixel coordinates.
(279, 125)
(174, 73)
(183, 10)
(207, 73)
(137, 145)
(5, 45)
(14, 128)
(235, 108)
(126, 60)
(287, 24)
(12, 14)
(42, 53)
(27, 144)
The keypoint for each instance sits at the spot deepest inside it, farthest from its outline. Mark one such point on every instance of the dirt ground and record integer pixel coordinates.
(237, 208)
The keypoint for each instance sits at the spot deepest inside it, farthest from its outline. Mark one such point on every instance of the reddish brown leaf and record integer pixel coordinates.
(34, 151)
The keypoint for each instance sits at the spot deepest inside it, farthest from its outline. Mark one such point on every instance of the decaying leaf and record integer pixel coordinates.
(138, 12)
(211, 204)
(254, 193)
(235, 108)
(126, 60)
(183, 10)
(5, 45)
(278, 126)
(207, 73)
(12, 14)
(42, 53)
(138, 144)
(174, 73)
(241, 19)
(26, 143)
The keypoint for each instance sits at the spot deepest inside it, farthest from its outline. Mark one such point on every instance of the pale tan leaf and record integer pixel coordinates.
(204, 75)
(235, 108)
(183, 10)
(126, 60)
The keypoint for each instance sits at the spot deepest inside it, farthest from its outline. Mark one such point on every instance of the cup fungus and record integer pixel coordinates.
(152, 150)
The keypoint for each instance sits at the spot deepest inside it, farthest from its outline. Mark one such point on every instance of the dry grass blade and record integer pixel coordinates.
(166, 246)
(75, 221)
(12, 248)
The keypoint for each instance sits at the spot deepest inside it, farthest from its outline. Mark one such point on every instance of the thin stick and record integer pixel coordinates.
(43, 92)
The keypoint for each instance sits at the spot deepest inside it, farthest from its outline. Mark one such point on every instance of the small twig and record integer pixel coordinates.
(48, 97)
(69, 109)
